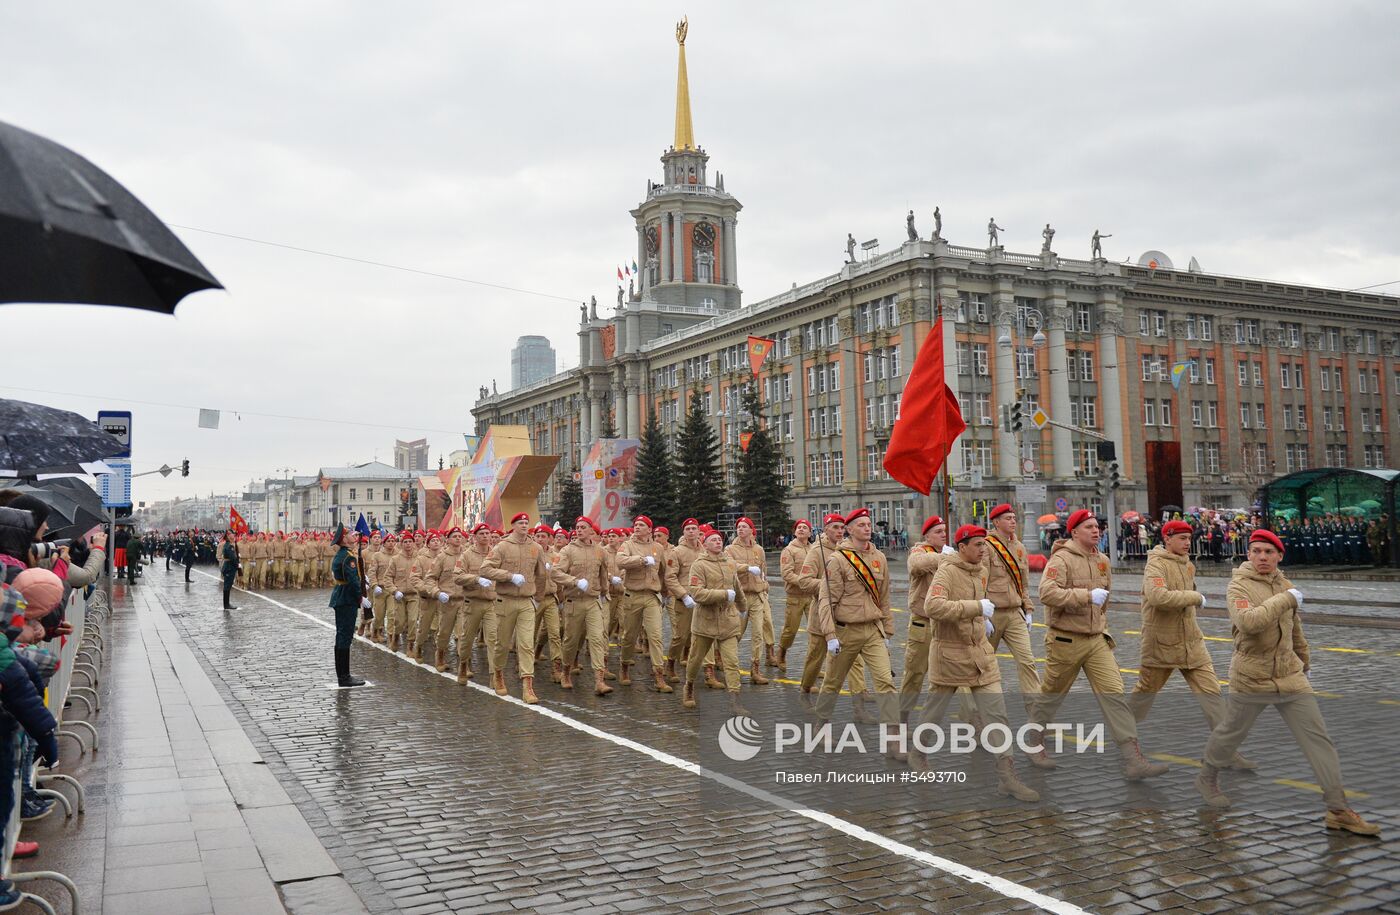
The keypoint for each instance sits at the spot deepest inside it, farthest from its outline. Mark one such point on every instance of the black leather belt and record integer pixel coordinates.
(919, 623)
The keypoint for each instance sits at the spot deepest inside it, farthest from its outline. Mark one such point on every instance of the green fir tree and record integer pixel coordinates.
(759, 486)
(570, 500)
(609, 429)
(654, 490)
(699, 481)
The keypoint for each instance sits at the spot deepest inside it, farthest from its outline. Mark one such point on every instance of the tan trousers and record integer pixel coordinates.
(728, 650)
(867, 642)
(1202, 681)
(413, 603)
(478, 617)
(547, 627)
(915, 664)
(818, 659)
(515, 625)
(1304, 719)
(760, 623)
(989, 700)
(444, 615)
(298, 573)
(397, 623)
(252, 575)
(641, 614)
(681, 616)
(380, 604)
(1066, 654)
(1009, 626)
(583, 620)
(794, 609)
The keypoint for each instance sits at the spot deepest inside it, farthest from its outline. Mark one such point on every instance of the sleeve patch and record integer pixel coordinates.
(1052, 573)
(939, 591)
(1159, 582)
(1241, 603)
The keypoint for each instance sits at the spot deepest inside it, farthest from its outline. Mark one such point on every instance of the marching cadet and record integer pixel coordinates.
(346, 601)
(547, 611)
(924, 559)
(612, 540)
(961, 654)
(719, 602)
(296, 554)
(1270, 667)
(327, 554)
(277, 561)
(396, 574)
(853, 618)
(444, 584)
(796, 601)
(478, 616)
(516, 565)
(645, 577)
(1008, 587)
(254, 560)
(1074, 590)
(582, 576)
(813, 572)
(427, 594)
(377, 568)
(680, 558)
(1171, 639)
(753, 575)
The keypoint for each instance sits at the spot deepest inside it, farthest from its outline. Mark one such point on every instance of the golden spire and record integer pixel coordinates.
(685, 133)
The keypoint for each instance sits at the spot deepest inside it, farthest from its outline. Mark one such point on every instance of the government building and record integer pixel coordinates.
(1277, 377)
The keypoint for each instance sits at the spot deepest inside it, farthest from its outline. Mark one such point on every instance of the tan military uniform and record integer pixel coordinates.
(478, 616)
(680, 558)
(1010, 592)
(810, 579)
(548, 637)
(1269, 668)
(1077, 638)
(256, 559)
(400, 577)
(716, 622)
(642, 587)
(376, 566)
(277, 566)
(923, 563)
(861, 621)
(296, 554)
(443, 577)
(583, 610)
(516, 554)
(760, 616)
(797, 600)
(1171, 639)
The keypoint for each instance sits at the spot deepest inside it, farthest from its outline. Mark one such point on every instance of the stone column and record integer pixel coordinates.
(731, 266)
(849, 398)
(947, 300)
(1004, 325)
(663, 254)
(585, 420)
(678, 248)
(599, 385)
(1110, 390)
(641, 260)
(634, 400)
(1061, 442)
(619, 387)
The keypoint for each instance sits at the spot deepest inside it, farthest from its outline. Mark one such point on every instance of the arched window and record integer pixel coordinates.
(704, 267)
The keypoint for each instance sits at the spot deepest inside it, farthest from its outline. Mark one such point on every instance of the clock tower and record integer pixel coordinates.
(685, 226)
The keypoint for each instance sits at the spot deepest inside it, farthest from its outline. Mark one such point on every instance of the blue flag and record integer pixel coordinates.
(361, 526)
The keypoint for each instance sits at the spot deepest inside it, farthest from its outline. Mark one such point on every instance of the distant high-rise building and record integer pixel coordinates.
(411, 455)
(530, 360)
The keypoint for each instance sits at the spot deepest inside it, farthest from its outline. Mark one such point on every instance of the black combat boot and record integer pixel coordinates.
(342, 669)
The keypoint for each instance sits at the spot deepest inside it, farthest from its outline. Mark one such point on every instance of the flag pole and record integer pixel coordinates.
(947, 499)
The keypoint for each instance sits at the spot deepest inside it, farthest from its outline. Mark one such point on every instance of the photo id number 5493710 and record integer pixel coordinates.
(932, 777)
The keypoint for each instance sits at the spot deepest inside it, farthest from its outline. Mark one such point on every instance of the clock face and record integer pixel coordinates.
(652, 243)
(705, 235)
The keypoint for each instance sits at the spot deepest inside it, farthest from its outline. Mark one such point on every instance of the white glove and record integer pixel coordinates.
(1098, 596)
(887, 644)
(364, 603)
(988, 608)
(1298, 596)
(688, 601)
(755, 571)
(616, 580)
(947, 550)
(1028, 619)
(1202, 598)
(398, 595)
(582, 584)
(378, 590)
(833, 646)
(548, 566)
(730, 592)
(649, 560)
(442, 597)
(988, 624)
(484, 582)
(517, 579)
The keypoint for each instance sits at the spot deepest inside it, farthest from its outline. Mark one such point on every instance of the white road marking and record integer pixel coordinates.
(1007, 888)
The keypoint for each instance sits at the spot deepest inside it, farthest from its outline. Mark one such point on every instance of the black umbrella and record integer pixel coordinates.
(1171, 508)
(70, 233)
(75, 507)
(36, 439)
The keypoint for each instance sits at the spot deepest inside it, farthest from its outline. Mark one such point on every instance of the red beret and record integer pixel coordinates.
(800, 522)
(518, 515)
(746, 520)
(641, 519)
(584, 519)
(688, 522)
(1079, 517)
(707, 532)
(663, 529)
(834, 518)
(858, 513)
(931, 522)
(1175, 527)
(480, 526)
(967, 532)
(1269, 537)
(433, 535)
(455, 530)
(1001, 509)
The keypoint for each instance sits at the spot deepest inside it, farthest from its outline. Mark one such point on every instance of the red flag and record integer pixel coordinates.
(759, 348)
(619, 274)
(236, 522)
(929, 419)
(744, 439)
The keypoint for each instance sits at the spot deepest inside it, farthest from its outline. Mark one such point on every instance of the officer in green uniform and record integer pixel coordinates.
(228, 567)
(347, 599)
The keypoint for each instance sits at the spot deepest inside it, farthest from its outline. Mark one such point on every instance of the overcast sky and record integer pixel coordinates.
(506, 143)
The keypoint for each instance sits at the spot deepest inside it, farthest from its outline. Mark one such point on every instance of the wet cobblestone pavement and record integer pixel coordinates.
(435, 797)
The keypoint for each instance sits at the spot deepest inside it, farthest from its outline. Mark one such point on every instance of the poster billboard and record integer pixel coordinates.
(608, 475)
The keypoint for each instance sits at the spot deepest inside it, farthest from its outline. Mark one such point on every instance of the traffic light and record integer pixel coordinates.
(1017, 421)
(1113, 475)
(185, 467)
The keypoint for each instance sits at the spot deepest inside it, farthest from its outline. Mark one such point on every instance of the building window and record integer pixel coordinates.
(1244, 415)
(1084, 317)
(1197, 414)
(352, 494)
(1149, 413)
(1194, 368)
(1326, 379)
(1210, 371)
(1025, 362)
(1285, 376)
(1212, 457)
(979, 359)
(1259, 416)
(1165, 414)
(964, 355)
(1213, 414)
(1244, 372)
(1088, 458)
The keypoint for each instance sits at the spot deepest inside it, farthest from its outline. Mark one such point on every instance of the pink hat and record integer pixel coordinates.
(42, 590)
